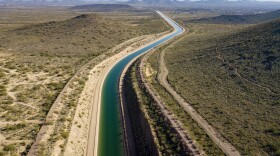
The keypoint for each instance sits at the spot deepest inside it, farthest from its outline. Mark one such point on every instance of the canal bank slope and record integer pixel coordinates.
(94, 135)
(78, 137)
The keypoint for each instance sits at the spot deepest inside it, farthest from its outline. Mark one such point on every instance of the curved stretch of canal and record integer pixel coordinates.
(110, 131)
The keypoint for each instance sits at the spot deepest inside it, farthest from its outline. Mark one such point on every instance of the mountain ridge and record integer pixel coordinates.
(241, 19)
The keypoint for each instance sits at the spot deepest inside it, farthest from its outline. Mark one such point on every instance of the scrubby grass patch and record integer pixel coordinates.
(230, 77)
(196, 132)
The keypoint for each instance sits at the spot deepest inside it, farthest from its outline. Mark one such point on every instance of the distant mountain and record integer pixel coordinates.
(104, 7)
(42, 2)
(241, 19)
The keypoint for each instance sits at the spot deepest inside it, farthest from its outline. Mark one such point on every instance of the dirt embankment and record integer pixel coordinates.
(176, 124)
(144, 137)
(137, 131)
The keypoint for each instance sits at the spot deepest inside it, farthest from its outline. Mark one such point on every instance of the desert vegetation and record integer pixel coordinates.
(228, 73)
(40, 54)
(195, 132)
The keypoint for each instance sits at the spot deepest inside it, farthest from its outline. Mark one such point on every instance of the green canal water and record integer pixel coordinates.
(110, 141)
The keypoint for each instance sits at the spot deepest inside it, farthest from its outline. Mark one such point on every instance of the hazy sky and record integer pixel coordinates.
(269, 0)
(179, 0)
(233, 0)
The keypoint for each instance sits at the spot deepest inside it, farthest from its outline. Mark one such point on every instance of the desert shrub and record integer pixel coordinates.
(72, 104)
(3, 90)
(49, 99)
(21, 97)
(10, 65)
(56, 86)
(2, 74)
(10, 147)
(14, 127)
(65, 134)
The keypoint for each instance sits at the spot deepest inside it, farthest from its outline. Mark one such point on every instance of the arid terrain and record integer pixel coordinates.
(227, 73)
(42, 65)
(139, 78)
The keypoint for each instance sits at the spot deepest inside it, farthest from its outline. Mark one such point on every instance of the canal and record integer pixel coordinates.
(110, 141)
